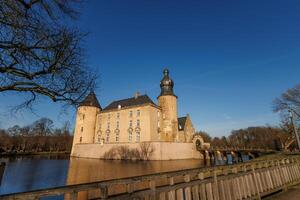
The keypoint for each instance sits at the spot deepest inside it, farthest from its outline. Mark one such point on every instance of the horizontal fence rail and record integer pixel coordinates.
(251, 180)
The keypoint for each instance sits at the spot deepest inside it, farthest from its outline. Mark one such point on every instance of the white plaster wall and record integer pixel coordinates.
(162, 150)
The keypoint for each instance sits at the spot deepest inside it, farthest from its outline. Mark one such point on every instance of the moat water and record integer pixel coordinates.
(29, 173)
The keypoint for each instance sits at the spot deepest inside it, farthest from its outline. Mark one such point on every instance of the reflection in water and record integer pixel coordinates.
(2, 168)
(83, 170)
(39, 172)
(90, 170)
(31, 173)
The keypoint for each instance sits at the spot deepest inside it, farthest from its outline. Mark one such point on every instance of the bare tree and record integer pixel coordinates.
(289, 100)
(39, 54)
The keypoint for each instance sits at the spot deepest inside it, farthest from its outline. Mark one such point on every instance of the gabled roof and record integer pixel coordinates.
(90, 100)
(181, 123)
(134, 101)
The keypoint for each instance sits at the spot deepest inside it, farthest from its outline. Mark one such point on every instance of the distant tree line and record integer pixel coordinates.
(260, 137)
(40, 136)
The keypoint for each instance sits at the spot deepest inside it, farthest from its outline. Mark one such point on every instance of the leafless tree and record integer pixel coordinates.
(39, 54)
(289, 100)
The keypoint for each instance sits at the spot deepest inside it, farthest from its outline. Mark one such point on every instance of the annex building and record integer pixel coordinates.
(134, 128)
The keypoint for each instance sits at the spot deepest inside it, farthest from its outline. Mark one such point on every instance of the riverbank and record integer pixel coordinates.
(43, 153)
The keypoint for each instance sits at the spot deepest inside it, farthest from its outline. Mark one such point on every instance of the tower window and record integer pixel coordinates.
(138, 123)
(81, 129)
(108, 125)
(130, 113)
(118, 124)
(118, 115)
(108, 116)
(80, 139)
(130, 123)
(138, 113)
(83, 116)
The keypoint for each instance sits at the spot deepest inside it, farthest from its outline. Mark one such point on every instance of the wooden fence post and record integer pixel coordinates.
(103, 192)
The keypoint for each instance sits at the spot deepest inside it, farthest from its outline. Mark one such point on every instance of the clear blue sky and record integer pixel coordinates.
(228, 59)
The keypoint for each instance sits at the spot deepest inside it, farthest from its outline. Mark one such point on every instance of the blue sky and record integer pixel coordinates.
(228, 59)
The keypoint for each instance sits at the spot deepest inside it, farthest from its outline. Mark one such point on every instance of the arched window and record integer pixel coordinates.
(107, 136)
(138, 136)
(130, 130)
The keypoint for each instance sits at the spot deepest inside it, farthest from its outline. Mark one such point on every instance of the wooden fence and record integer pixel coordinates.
(251, 180)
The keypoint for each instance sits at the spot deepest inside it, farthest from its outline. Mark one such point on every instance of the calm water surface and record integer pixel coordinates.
(31, 173)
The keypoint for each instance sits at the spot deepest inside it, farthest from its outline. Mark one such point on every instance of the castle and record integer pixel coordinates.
(134, 124)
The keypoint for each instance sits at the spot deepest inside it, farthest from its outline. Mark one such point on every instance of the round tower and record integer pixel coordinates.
(167, 101)
(86, 117)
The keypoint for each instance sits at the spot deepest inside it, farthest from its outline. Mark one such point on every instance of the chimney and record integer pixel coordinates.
(136, 95)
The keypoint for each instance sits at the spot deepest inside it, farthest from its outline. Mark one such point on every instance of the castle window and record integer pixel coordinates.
(130, 113)
(80, 139)
(83, 116)
(117, 137)
(81, 129)
(118, 124)
(138, 113)
(108, 125)
(130, 136)
(107, 137)
(130, 123)
(138, 123)
(99, 138)
(108, 116)
(118, 115)
(138, 136)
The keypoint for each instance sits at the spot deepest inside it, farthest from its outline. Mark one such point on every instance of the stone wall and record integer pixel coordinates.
(159, 150)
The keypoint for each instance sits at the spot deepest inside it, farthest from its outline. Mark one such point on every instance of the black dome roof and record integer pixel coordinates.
(166, 84)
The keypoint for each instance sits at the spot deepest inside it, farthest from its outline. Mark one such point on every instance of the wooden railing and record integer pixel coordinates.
(251, 180)
(237, 149)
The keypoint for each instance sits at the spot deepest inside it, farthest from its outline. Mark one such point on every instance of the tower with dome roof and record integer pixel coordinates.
(167, 101)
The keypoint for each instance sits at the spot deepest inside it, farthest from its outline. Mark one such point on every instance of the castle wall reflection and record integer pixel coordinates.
(39, 172)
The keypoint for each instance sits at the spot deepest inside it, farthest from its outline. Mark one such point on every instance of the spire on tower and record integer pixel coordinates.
(90, 100)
